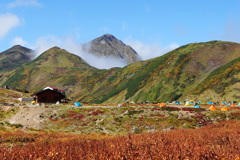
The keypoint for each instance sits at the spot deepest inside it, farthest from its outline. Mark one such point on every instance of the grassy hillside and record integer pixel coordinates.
(186, 72)
(221, 80)
(8, 96)
(179, 72)
(53, 66)
(13, 58)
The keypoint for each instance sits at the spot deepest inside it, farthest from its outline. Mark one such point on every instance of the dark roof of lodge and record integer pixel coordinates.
(53, 89)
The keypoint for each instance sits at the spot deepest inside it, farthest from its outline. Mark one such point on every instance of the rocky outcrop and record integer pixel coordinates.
(109, 46)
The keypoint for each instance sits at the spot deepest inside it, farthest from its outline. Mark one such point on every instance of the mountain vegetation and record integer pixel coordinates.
(216, 141)
(201, 71)
(14, 57)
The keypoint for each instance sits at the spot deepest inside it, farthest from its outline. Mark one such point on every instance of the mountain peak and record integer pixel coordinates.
(20, 48)
(109, 46)
(58, 57)
(108, 37)
(14, 57)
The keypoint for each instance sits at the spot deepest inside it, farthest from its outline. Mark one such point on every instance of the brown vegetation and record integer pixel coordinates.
(215, 141)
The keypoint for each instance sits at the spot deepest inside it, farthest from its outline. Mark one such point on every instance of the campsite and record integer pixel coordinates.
(76, 130)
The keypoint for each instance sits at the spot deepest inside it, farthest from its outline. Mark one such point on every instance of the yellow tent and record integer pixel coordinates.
(132, 102)
(212, 108)
(187, 104)
(224, 109)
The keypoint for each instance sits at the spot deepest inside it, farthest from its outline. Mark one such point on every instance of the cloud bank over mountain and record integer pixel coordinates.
(148, 51)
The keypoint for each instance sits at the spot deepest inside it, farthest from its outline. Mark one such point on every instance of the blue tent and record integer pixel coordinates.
(77, 104)
(197, 106)
(177, 102)
(209, 102)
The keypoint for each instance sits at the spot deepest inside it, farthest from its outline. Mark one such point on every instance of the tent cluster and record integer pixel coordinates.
(224, 106)
(212, 108)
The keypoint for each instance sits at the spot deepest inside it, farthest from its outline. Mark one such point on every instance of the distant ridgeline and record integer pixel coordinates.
(201, 71)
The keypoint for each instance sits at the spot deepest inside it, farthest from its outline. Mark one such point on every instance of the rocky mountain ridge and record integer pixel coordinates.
(109, 46)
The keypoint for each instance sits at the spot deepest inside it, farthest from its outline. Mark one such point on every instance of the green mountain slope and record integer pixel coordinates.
(223, 81)
(174, 75)
(196, 70)
(13, 58)
(55, 66)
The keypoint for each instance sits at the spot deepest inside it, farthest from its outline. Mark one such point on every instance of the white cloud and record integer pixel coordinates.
(69, 44)
(148, 51)
(8, 22)
(44, 43)
(19, 41)
(19, 3)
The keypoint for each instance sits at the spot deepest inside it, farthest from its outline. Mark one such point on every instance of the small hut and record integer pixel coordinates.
(49, 95)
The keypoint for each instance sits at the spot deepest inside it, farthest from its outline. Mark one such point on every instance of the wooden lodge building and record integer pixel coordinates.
(49, 95)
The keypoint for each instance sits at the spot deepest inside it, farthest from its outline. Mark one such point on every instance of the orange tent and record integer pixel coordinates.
(233, 105)
(212, 108)
(224, 109)
(162, 104)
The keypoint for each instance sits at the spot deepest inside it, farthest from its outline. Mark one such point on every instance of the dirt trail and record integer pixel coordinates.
(32, 116)
(29, 116)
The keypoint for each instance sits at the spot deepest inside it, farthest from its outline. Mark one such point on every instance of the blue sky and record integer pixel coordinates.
(151, 27)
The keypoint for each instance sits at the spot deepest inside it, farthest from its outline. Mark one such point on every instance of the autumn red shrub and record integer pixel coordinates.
(235, 115)
(97, 112)
(71, 114)
(215, 141)
(156, 108)
(235, 108)
(170, 108)
(193, 109)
